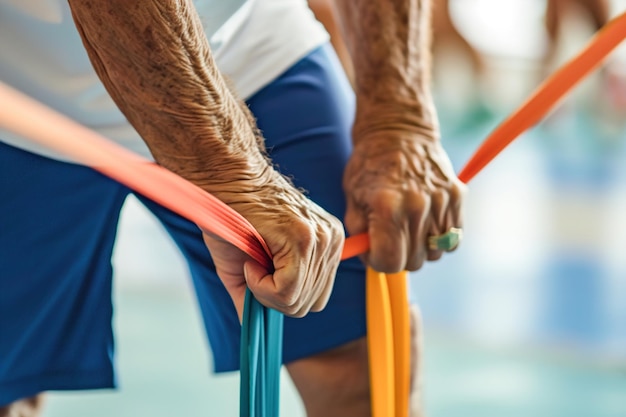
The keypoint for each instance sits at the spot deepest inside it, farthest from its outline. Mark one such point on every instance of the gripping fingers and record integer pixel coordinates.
(304, 270)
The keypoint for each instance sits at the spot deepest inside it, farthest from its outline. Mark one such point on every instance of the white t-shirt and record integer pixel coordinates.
(41, 54)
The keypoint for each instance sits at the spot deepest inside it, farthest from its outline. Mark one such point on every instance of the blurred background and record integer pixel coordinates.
(527, 318)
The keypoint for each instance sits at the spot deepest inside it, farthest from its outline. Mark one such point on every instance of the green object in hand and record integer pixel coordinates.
(447, 241)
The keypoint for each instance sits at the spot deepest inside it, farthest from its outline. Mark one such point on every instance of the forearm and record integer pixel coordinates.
(389, 42)
(154, 60)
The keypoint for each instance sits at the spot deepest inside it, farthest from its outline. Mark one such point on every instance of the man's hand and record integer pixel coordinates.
(305, 240)
(401, 189)
(154, 59)
(399, 182)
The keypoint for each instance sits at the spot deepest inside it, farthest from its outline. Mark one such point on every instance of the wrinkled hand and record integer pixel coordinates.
(401, 189)
(305, 242)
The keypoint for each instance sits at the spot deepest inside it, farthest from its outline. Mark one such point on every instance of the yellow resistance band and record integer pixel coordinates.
(389, 343)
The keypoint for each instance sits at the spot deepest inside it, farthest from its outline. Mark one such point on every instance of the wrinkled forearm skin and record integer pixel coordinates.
(154, 60)
(389, 42)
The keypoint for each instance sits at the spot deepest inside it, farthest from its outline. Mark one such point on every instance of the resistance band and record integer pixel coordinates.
(262, 328)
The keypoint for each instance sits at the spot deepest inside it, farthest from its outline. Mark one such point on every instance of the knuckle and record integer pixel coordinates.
(419, 203)
(305, 236)
(337, 238)
(386, 202)
(336, 227)
(457, 192)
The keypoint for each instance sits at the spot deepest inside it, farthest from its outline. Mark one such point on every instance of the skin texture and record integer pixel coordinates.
(155, 62)
(166, 83)
(399, 182)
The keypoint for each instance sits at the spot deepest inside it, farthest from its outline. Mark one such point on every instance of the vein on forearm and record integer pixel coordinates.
(389, 42)
(153, 57)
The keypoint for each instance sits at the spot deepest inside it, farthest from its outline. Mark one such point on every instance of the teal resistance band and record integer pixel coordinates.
(260, 359)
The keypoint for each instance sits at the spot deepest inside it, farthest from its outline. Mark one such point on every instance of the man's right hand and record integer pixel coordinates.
(305, 242)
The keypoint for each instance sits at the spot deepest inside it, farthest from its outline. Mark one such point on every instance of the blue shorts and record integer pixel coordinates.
(58, 228)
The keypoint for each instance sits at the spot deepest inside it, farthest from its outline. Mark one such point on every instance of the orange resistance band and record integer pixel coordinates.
(389, 376)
